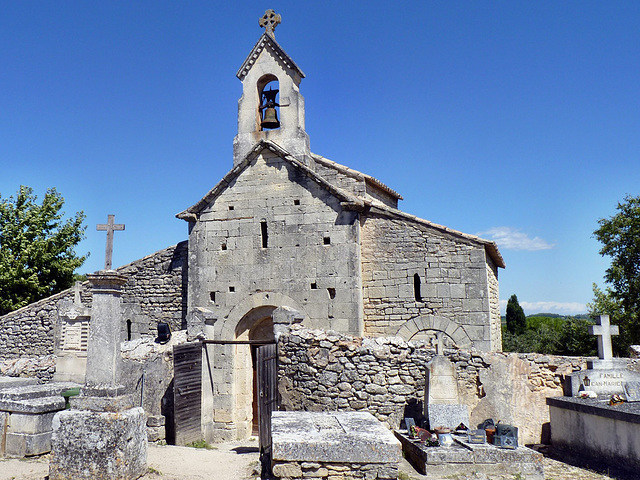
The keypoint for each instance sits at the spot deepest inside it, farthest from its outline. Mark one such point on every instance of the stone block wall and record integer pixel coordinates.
(275, 231)
(412, 270)
(326, 371)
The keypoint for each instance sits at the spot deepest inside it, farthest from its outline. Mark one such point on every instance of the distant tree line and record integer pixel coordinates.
(554, 335)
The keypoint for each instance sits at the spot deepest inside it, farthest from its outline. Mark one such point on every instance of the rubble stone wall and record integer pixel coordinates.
(153, 292)
(326, 371)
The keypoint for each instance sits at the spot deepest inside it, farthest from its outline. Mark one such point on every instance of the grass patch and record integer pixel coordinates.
(201, 444)
(154, 471)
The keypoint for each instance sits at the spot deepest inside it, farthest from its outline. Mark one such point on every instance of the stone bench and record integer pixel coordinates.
(349, 445)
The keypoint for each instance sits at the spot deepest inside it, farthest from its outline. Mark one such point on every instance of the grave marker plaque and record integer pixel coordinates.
(632, 391)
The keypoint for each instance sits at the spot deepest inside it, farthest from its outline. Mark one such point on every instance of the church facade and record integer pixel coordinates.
(288, 236)
(289, 229)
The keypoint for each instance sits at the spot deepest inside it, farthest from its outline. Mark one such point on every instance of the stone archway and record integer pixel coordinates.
(257, 326)
(428, 326)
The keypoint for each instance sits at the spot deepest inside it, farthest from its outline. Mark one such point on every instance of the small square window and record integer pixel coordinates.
(232, 289)
(296, 202)
(224, 246)
(326, 240)
(212, 296)
(231, 207)
(314, 286)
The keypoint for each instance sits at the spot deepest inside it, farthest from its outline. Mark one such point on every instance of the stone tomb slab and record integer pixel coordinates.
(464, 458)
(333, 441)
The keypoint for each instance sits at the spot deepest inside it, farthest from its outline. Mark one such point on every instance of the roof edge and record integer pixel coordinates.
(490, 246)
(262, 42)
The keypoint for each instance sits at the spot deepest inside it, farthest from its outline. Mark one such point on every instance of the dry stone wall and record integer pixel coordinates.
(326, 371)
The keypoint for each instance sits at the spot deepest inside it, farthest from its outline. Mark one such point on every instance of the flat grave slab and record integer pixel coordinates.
(333, 444)
(465, 458)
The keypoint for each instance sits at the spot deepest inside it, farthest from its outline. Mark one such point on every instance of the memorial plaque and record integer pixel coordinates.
(632, 391)
(409, 422)
(75, 336)
(477, 437)
(507, 441)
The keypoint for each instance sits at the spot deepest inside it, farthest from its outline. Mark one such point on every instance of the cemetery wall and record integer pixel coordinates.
(327, 371)
(153, 292)
(411, 270)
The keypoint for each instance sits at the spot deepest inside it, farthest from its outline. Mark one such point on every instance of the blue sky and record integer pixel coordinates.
(518, 121)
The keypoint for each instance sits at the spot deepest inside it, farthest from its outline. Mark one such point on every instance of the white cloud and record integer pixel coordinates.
(512, 239)
(561, 308)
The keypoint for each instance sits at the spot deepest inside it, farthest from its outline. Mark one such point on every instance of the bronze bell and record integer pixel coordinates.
(270, 116)
(270, 119)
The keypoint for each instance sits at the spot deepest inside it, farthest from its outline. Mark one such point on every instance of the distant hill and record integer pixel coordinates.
(557, 315)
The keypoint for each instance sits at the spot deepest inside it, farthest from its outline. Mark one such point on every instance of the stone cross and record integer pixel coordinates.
(269, 21)
(76, 294)
(109, 227)
(603, 329)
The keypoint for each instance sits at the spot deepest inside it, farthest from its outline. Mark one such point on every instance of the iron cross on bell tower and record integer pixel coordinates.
(109, 227)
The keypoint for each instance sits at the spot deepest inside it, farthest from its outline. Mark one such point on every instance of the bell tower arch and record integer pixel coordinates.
(268, 63)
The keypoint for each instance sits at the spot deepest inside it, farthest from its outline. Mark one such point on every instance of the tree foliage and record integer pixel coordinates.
(555, 336)
(37, 256)
(516, 319)
(620, 238)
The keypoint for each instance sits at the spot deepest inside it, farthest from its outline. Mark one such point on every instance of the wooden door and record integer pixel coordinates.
(187, 392)
(267, 363)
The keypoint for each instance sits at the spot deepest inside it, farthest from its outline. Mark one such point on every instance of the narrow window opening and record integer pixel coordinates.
(231, 207)
(232, 289)
(416, 287)
(224, 246)
(327, 240)
(128, 329)
(296, 202)
(212, 296)
(332, 293)
(265, 234)
(314, 286)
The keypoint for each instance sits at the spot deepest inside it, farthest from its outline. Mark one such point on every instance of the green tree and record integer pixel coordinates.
(516, 320)
(620, 238)
(37, 256)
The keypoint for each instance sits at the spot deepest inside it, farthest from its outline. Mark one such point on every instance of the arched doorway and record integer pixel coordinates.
(256, 327)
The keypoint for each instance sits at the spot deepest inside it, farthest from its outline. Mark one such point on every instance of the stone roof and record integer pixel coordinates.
(357, 175)
(347, 200)
(264, 41)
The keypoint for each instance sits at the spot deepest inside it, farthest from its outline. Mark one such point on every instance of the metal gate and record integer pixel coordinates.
(187, 392)
(267, 369)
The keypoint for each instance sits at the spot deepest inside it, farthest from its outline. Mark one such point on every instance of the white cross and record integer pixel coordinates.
(603, 329)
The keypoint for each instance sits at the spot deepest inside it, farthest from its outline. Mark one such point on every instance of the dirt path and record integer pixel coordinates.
(239, 461)
(232, 461)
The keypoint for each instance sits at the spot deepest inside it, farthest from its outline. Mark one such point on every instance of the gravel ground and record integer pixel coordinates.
(239, 461)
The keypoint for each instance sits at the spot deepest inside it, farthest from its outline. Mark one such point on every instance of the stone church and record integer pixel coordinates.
(288, 236)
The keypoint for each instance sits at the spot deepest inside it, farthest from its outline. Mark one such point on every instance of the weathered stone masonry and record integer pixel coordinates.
(153, 292)
(411, 270)
(326, 371)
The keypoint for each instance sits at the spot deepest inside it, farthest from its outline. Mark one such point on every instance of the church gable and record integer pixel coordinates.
(275, 226)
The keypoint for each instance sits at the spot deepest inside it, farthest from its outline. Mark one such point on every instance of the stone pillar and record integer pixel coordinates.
(103, 356)
(104, 435)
